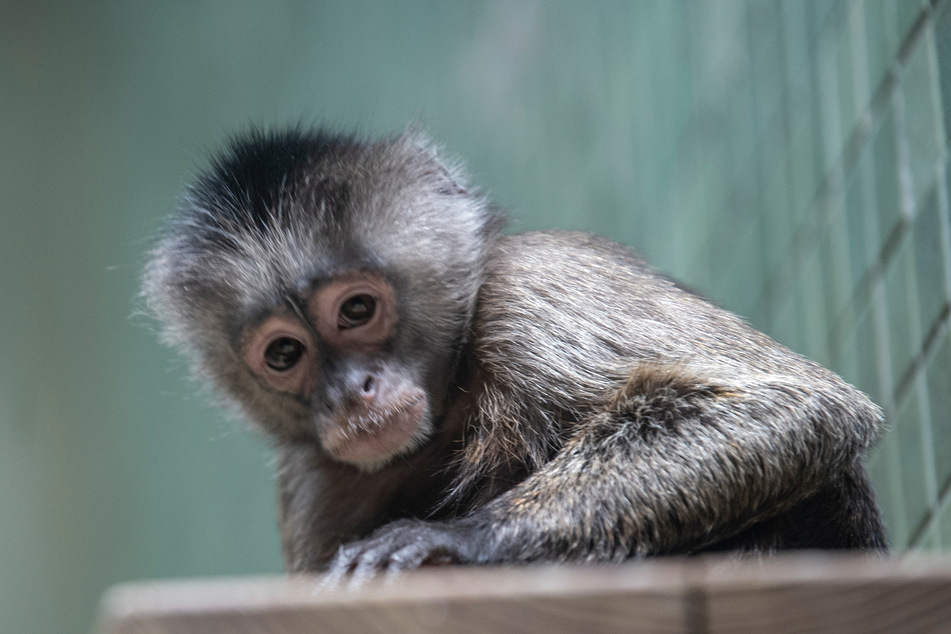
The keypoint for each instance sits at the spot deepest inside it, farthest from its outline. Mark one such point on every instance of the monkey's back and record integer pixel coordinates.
(596, 306)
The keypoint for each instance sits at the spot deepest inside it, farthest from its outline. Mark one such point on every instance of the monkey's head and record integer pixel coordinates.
(325, 286)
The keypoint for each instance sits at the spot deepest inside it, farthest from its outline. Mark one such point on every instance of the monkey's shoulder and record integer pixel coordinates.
(570, 271)
(586, 301)
(569, 261)
(560, 248)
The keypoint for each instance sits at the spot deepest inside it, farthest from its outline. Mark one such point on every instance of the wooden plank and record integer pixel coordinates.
(814, 593)
(792, 593)
(525, 599)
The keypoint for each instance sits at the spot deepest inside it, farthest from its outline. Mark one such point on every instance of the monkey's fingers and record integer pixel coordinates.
(336, 578)
(396, 547)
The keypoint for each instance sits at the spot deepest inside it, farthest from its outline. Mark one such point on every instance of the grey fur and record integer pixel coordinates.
(584, 407)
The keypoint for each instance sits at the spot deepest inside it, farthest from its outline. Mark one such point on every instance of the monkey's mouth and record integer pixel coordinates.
(369, 437)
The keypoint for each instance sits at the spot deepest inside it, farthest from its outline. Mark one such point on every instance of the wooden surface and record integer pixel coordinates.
(802, 593)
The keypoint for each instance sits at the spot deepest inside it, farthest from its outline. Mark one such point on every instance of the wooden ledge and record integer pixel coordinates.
(804, 592)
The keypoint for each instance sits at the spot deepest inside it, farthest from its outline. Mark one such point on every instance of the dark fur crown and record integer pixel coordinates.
(255, 167)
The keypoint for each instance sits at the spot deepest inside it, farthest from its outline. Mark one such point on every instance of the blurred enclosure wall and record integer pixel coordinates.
(787, 159)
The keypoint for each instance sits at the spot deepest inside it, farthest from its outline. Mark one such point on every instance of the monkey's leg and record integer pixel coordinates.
(843, 514)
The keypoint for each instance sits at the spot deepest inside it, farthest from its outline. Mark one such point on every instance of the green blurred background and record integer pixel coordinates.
(788, 159)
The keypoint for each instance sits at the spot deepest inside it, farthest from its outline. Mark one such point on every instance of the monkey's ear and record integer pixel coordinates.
(451, 180)
(451, 186)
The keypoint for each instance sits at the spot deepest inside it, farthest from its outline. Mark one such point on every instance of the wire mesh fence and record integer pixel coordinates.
(835, 211)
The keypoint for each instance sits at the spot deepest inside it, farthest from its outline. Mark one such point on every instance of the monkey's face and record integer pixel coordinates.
(335, 354)
(324, 287)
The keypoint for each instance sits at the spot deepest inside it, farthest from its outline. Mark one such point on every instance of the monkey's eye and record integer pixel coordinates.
(356, 311)
(283, 353)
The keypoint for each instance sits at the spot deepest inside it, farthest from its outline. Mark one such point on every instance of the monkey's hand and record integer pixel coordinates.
(404, 545)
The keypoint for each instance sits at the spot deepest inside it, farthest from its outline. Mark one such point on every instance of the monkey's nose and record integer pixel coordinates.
(364, 390)
(369, 385)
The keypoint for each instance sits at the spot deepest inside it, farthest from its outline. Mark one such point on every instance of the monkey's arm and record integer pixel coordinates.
(675, 465)
(323, 503)
(312, 517)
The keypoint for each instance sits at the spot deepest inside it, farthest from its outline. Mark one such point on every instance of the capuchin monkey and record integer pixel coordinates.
(438, 392)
